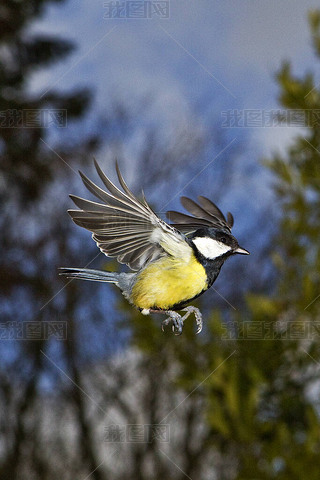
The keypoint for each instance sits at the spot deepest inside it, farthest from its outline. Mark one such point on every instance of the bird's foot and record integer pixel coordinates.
(197, 314)
(176, 319)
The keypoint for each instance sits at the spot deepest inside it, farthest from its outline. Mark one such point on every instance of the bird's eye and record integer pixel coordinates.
(223, 240)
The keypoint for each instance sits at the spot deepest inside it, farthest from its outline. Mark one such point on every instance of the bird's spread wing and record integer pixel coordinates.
(207, 214)
(125, 227)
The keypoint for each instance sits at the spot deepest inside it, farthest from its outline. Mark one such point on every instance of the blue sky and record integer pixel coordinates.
(206, 58)
(226, 52)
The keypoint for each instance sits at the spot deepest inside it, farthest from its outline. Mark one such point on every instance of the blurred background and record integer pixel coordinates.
(210, 98)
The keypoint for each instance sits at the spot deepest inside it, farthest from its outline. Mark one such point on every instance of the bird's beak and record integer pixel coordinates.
(243, 251)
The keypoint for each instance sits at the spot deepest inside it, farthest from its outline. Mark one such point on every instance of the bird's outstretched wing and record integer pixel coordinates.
(207, 214)
(125, 227)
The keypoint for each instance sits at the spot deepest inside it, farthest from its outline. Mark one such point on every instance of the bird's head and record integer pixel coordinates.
(216, 243)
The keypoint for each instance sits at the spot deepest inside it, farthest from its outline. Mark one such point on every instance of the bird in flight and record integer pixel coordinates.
(172, 264)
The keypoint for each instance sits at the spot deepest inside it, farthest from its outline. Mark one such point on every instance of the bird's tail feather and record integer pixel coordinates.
(89, 274)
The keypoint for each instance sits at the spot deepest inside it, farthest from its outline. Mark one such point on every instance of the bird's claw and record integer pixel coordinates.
(197, 314)
(165, 323)
(177, 325)
(177, 320)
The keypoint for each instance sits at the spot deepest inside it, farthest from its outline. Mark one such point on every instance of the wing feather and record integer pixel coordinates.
(196, 210)
(125, 227)
(207, 214)
(211, 207)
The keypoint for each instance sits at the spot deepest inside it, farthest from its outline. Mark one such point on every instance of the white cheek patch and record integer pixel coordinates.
(210, 248)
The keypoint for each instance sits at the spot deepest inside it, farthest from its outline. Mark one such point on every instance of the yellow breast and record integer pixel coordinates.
(168, 282)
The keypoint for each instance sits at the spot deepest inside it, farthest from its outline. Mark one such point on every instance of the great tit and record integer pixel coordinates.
(172, 263)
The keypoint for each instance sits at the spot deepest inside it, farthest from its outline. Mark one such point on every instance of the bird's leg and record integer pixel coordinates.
(197, 314)
(173, 317)
(176, 319)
